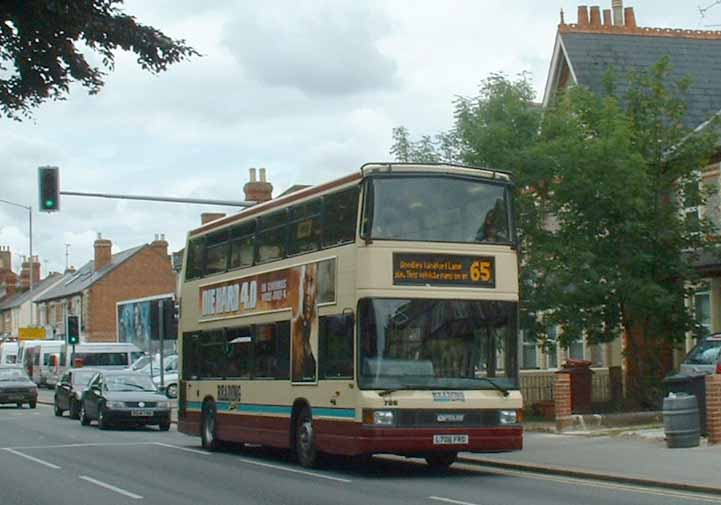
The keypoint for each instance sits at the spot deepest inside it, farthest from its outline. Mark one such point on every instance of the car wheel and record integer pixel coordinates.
(84, 419)
(208, 436)
(441, 461)
(103, 422)
(172, 391)
(305, 440)
(74, 411)
(56, 409)
(165, 426)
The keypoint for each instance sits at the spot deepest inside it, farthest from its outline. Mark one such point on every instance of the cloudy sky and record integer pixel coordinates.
(310, 90)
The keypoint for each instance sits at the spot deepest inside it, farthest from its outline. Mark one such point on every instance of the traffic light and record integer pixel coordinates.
(49, 188)
(73, 334)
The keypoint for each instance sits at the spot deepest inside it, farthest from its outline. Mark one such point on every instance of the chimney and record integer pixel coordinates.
(607, 19)
(11, 284)
(582, 15)
(630, 17)
(36, 270)
(160, 245)
(5, 258)
(596, 16)
(258, 191)
(207, 217)
(103, 252)
(25, 274)
(617, 6)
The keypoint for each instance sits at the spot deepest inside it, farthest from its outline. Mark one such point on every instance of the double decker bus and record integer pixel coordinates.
(376, 313)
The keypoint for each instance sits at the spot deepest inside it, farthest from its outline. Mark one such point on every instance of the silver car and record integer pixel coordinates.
(704, 358)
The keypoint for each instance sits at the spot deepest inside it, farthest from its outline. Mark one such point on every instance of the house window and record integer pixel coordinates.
(575, 350)
(551, 348)
(702, 309)
(530, 351)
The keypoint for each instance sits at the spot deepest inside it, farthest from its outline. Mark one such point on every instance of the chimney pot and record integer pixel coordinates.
(252, 175)
(617, 6)
(630, 17)
(582, 15)
(596, 16)
(262, 175)
(607, 19)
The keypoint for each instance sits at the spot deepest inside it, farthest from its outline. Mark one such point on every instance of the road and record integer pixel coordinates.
(56, 461)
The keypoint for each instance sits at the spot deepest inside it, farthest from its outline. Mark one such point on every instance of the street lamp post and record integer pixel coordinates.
(30, 232)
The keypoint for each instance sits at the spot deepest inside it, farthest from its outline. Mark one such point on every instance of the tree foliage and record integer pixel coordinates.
(42, 44)
(603, 184)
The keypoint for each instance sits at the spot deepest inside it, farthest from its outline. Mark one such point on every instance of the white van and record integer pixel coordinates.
(9, 353)
(51, 362)
(108, 356)
(29, 355)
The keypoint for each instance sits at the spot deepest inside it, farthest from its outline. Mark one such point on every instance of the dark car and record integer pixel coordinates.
(16, 387)
(69, 390)
(122, 397)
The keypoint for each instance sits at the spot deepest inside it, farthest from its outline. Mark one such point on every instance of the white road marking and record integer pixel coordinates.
(111, 488)
(448, 500)
(87, 444)
(689, 495)
(293, 470)
(36, 460)
(194, 451)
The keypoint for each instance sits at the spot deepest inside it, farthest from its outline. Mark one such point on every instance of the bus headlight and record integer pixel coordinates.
(379, 417)
(508, 417)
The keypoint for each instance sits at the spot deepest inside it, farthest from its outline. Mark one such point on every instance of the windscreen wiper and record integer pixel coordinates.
(492, 383)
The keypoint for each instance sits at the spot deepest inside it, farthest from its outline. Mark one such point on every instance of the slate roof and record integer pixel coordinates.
(86, 275)
(20, 298)
(590, 54)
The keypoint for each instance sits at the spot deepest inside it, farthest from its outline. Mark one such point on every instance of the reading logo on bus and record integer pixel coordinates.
(448, 396)
(444, 270)
(228, 393)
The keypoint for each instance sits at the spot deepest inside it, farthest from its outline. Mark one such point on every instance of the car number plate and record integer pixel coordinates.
(141, 413)
(450, 439)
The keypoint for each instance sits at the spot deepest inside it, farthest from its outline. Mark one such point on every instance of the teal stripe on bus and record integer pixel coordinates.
(275, 409)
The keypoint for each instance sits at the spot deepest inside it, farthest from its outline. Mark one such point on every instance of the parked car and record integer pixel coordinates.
(16, 387)
(69, 390)
(123, 397)
(704, 358)
(170, 382)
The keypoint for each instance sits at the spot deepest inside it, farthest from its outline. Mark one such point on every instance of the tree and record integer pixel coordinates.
(41, 44)
(620, 258)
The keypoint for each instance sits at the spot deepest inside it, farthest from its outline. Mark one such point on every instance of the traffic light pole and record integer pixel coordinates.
(204, 201)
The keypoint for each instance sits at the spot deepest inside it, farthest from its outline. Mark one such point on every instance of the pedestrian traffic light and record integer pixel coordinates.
(49, 188)
(73, 334)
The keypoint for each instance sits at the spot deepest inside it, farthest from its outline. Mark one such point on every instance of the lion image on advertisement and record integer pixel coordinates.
(305, 325)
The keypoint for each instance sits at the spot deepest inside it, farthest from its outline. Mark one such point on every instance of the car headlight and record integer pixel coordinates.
(163, 405)
(115, 405)
(379, 417)
(508, 417)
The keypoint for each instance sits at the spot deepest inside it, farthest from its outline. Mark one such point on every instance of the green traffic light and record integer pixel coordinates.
(49, 203)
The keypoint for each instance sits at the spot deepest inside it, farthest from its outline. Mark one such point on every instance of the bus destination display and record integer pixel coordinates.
(443, 270)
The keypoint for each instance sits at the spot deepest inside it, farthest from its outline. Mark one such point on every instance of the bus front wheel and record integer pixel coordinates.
(305, 440)
(441, 461)
(208, 436)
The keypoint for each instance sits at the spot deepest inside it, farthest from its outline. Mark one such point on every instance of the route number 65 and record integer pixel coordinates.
(481, 271)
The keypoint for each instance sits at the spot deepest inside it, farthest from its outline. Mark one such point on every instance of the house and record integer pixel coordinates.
(17, 311)
(93, 291)
(582, 54)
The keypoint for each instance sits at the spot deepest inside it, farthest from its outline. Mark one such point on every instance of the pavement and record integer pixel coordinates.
(632, 455)
(48, 460)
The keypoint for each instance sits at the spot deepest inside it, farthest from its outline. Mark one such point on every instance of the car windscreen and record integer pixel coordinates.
(13, 375)
(129, 382)
(705, 353)
(82, 378)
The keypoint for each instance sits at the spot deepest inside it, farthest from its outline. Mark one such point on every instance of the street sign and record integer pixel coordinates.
(31, 334)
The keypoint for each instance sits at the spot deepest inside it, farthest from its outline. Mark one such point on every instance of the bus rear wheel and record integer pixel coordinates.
(208, 436)
(305, 440)
(442, 460)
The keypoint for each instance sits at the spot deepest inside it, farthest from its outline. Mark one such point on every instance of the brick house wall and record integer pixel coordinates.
(147, 273)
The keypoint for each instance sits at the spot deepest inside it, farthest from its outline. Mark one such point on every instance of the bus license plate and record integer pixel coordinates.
(141, 413)
(449, 439)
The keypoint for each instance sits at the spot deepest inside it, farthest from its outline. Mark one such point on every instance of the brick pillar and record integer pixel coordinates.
(562, 400)
(713, 408)
(615, 384)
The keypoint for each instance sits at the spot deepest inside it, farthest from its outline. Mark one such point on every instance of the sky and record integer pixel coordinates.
(310, 90)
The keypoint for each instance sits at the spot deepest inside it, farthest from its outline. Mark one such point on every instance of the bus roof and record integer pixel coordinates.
(365, 170)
